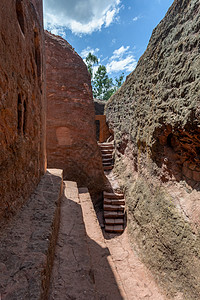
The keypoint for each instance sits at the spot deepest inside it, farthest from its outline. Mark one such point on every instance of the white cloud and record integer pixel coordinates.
(119, 52)
(127, 64)
(135, 19)
(86, 51)
(110, 16)
(80, 16)
(122, 60)
(58, 31)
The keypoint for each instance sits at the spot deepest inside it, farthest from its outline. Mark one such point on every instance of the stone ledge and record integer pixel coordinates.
(27, 244)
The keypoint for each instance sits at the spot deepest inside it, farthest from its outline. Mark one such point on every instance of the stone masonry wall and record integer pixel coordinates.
(71, 141)
(22, 105)
(155, 116)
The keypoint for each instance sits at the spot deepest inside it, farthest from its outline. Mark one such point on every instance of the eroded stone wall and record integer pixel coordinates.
(22, 105)
(156, 121)
(71, 140)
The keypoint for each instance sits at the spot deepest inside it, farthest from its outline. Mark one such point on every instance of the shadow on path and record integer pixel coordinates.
(76, 275)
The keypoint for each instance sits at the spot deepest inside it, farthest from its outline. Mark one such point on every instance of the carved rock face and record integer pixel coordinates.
(71, 140)
(22, 114)
(156, 122)
(157, 108)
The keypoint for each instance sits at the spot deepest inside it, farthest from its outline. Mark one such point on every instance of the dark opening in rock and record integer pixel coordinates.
(97, 129)
(20, 113)
(25, 118)
(198, 151)
(169, 140)
(20, 15)
(37, 52)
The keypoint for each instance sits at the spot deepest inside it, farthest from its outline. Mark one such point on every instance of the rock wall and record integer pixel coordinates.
(99, 106)
(71, 141)
(22, 105)
(156, 121)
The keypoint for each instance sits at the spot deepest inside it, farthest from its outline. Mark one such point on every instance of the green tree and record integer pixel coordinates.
(103, 87)
(102, 84)
(90, 61)
(119, 81)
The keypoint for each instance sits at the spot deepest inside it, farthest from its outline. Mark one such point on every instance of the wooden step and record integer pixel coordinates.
(114, 221)
(113, 214)
(114, 228)
(113, 195)
(114, 201)
(113, 207)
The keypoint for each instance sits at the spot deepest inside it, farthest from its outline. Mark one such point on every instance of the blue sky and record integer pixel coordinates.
(116, 31)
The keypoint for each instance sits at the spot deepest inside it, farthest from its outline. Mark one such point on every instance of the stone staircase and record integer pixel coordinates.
(50, 229)
(107, 155)
(114, 203)
(114, 206)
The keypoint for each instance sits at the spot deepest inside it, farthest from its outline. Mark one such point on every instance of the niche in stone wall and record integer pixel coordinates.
(21, 114)
(20, 15)
(25, 116)
(177, 154)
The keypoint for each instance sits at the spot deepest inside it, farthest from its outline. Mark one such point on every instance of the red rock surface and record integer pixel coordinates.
(71, 141)
(22, 131)
(155, 117)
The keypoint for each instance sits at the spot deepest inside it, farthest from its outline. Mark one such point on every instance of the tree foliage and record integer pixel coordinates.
(90, 61)
(103, 87)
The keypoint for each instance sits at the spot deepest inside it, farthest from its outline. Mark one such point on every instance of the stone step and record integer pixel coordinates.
(114, 201)
(113, 195)
(110, 160)
(108, 207)
(106, 168)
(106, 151)
(107, 160)
(114, 221)
(106, 145)
(107, 282)
(107, 164)
(107, 156)
(113, 214)
(114, 228)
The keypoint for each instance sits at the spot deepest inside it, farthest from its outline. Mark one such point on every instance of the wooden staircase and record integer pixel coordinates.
(114, 203)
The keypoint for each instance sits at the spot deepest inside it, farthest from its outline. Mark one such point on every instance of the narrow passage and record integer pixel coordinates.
(91, 264)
